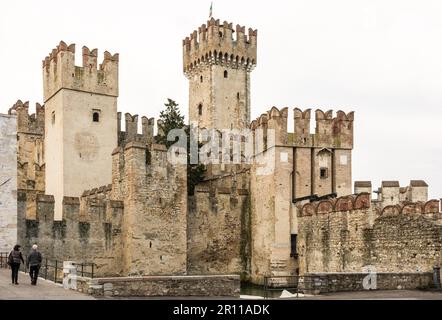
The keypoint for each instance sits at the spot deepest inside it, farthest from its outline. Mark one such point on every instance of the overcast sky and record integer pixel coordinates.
(381, 59)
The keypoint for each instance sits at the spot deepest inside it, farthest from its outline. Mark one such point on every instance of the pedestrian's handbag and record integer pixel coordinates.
(10, 259)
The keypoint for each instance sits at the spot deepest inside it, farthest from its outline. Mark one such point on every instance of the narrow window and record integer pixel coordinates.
(226, 74)
(220, 34)
(96, 117)
(237, 96)
(53, 117)
(201, 79)
(200, 110)
(324, 173)
(293, 251)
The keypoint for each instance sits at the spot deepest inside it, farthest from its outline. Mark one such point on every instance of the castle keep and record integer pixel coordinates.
(88, 191)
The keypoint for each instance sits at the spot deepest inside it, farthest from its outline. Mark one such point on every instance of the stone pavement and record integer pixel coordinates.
(45, 290)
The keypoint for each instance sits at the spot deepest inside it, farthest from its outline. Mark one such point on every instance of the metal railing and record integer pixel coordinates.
(52, 270)
(294, 284)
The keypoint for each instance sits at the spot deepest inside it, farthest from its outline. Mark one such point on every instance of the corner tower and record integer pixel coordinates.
(218, 66)
(80, 121)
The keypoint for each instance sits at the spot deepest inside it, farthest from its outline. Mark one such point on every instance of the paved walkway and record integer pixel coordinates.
(45, 290)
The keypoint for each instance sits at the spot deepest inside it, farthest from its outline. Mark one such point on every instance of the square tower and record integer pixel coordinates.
(80, 121)
(218, 68)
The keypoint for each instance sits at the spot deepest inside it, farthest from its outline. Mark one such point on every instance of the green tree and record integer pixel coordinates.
(171, 118)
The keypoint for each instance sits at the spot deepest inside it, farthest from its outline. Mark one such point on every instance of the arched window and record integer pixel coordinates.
(200, 109)
(96, 117)
(226, 74)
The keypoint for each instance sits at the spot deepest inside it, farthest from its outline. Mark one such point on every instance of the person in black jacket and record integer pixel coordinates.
(34, 261)
(15, 259)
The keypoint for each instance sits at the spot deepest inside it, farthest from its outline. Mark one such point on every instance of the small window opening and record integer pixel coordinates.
(200, 110)
(226, 74)
(220, 34)
(96, 117)
(237, 96)
(293, 243)
(150, 244)
(53, 117)
(324, 173)
(201, 79)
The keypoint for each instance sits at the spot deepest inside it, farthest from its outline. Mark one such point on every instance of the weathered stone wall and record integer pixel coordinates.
(89, 234)
(8, 182)
(335, 282)
(162, 286)
(30, 157)
(219, 226)
(154, 192)
(347, 235)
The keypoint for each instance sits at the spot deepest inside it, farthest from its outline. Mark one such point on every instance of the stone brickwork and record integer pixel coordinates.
(154, 193)
(337, 282)
(348, 234)
(8, 182)
(162, 286)
(30, 136)
(219, 226)
(90, 230)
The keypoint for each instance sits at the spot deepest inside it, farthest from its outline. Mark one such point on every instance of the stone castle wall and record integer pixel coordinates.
(90, 230)
(349, 234)
(219, 226)
(135, 226)
(31, 165)
(8, 182)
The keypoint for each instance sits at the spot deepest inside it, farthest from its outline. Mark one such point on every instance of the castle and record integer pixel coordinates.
(88, 191)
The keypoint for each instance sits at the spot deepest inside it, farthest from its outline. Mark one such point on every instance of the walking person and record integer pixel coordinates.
(15, 258)
(34, 262)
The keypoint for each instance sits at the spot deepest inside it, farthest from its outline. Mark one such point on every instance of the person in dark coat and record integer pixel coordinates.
(15, 258)
(34, 262)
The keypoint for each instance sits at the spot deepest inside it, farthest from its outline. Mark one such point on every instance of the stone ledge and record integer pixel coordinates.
(161, 286)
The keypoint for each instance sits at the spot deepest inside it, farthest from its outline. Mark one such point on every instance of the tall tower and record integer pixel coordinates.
(218, 67)
(80, 121)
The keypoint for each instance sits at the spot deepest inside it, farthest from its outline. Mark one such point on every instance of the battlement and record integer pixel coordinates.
(103, 190)
(391, 193)
(26, 123)
(131, 134)
(362, 202)
(343, 204)
(429, 207)
(60, 72)
(214, 44)
(331, 132)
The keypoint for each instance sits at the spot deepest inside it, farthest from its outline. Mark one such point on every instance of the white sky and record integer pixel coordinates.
(382, 59)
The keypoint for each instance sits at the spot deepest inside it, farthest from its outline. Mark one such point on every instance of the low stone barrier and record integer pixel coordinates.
(161, 286)
(339, 282)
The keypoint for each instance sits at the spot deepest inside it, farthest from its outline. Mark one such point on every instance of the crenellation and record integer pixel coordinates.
(90, 58)
(28, 123)
(61, 72)
(215, 44)
(131, 134)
